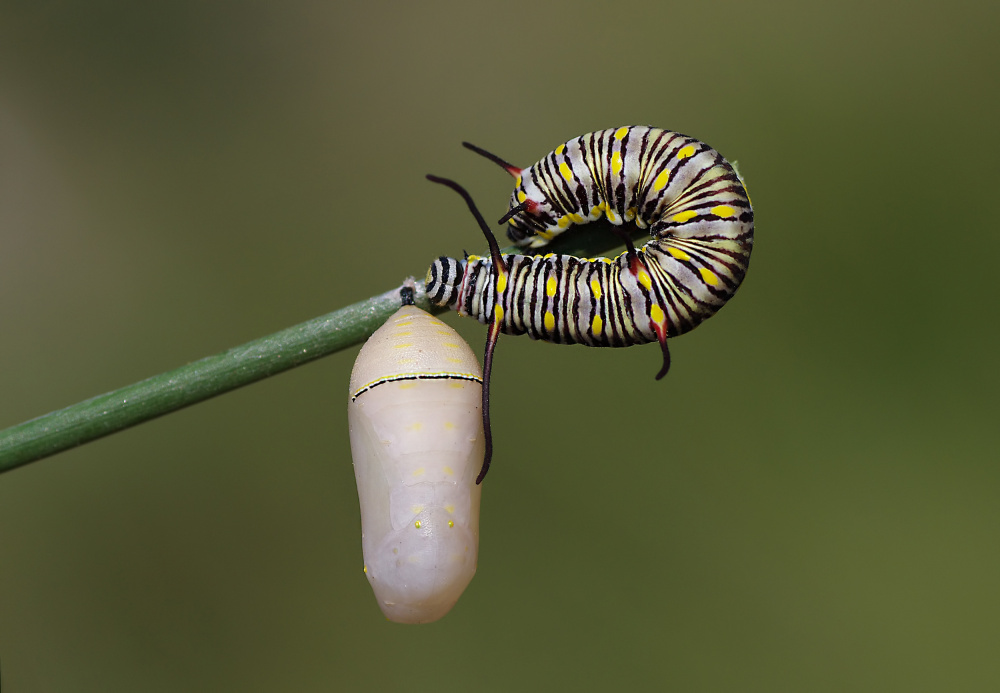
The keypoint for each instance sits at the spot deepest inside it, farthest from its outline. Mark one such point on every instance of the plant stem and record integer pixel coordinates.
(195, 382)
(198, 381)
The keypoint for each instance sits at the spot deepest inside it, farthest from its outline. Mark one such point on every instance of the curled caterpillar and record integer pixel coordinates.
(416, 440)
(685, 193)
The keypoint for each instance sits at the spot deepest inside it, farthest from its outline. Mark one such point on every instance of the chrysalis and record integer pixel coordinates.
(417, 441)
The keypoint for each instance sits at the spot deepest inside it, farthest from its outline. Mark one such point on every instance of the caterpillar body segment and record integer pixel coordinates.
(691, 200)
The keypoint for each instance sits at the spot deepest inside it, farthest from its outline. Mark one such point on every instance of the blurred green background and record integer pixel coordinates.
(810, 501)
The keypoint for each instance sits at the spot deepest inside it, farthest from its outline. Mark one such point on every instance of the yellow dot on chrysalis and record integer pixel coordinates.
(645, 280)
(550, 321)
(560, 149)
(661, 181)
(620, 133)
(449, 508)
(451, 523)
(406, 386)
(550, 286)
(677, 253)
(597, 326)
(616, 163)
(447, 470)
(521, 197)
(686, 152)
(419, 472)
(656, 314)
(685, 216)
(564, 170)
(366, 570)
(417, 524)
(402, 346)
(709, 276)
(502, 283)
(723, 211)
(595, 288)
(415, 426)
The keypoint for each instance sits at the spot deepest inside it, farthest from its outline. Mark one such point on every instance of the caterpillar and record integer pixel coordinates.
(417, 441)
(691, 200)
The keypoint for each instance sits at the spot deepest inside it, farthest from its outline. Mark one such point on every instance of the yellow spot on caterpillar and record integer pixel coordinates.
(630, 214)
(645, 280)
(611, 214)
(607, 261)
(550, 321)
(595, 211)
(498, 313)
(401, 346)
(521, 196)
(620, 133)
(451, 523)
(595, 288)
(450, 509)
(415, 426)
(550, 286)
(576, 218)
(502, 283)
(473, 258)
(547, 235)
(548, 255)
(723, 211)
(560, 149)
(517, 182)
(597, 326)
(656, 314)
(447, 470)
(661, 181)
(686, 152)
(564, 170)
(677, 253)
(563, 221)
(685, 216)
(708, 276)
(417, 524)
(616, 163)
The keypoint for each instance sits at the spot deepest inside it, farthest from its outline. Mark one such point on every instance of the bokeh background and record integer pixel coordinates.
(810, 501)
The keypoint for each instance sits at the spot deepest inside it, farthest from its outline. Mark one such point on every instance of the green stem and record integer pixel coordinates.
(195, 382)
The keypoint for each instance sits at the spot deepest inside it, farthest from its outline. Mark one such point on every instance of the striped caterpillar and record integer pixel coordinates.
(689, 197)
(416, 440)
